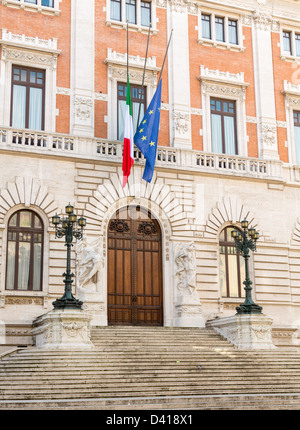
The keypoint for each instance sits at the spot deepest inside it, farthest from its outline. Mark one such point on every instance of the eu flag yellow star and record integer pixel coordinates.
(141, 130)
(152, 143)
(144, 122)
(144, 137)
(150, 112)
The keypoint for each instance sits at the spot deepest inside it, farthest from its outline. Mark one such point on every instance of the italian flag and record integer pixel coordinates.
(128, 138)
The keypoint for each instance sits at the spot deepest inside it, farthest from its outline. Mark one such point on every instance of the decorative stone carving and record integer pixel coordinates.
(262, 20)
(181, 122)
(63, 329)
(188, 307)
(26, 57)
(249, 331)
(185, 259)
(83, 108)
(269, 134)
(89, 264)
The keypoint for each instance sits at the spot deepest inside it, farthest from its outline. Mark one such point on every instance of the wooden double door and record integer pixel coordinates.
(134, 278)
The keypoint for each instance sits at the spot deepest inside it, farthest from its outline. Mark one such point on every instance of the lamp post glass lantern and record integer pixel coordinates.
(68, 227)
(246, 241)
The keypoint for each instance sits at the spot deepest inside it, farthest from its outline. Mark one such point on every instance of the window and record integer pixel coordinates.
(232, 269)
(137, 12)
(297, 135)
(131, 11)
(297, 44)
(219, 22)
(233, 31)
(223, 126)
(47, 3)
(138, 97)
(222, 29)
(145, 13)
(28, 98)
(287, 42)
(290, 43)
(206, 30)
(24, 252)
(115, 10)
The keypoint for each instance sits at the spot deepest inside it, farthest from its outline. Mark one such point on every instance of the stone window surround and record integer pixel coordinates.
(283, 54)
(23, 52)
(291, 93)
(134, 27)
(21, 4)
(228, 86)
(117, 72)
(213, 41)
(46, 250)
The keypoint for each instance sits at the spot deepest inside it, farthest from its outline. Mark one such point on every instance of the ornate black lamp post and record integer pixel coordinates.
(68, 227)
(245, 241)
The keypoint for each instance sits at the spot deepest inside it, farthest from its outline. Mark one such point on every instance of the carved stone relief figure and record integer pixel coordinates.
(89, 264)
(185, 274)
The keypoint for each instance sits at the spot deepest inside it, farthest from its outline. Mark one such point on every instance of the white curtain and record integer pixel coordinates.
(35, 108)
(145, 16)
(216, 134)
(297, 143)
(219, 31)
(229, 135)
(232, 34)
(10, 271)
(37, 266)
(19, 106)
(24, 264)
(115, 10)
(121, 118)
(206, 29)
(130, 13)
(135, 114)
(233, 275)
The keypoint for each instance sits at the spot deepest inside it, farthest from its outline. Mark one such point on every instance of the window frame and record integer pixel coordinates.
(32, 230)
(223, 113)
(213, 41)
(138, 16)
(34, 7)
(28, 85)
(226, 244)
(133, 99)
(294, 37)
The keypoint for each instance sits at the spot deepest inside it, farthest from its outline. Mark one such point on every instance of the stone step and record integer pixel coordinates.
(148, 364)
(164, 402)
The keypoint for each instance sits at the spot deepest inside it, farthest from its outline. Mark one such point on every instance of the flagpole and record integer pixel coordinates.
(142, 92)
(165, 56)
(127, 51)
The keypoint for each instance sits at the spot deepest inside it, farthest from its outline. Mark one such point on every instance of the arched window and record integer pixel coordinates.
(232, 269)
(24, 252)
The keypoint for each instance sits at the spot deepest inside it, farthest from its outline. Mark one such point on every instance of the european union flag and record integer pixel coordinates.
(146, 135)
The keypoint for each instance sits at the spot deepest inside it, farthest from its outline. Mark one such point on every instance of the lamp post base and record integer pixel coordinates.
(249, 309)
(67, 303)
(246, 331)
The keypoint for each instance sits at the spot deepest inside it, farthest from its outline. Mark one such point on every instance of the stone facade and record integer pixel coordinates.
(194, 193)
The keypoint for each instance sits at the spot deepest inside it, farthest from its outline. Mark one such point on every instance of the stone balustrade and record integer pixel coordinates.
(167, 157)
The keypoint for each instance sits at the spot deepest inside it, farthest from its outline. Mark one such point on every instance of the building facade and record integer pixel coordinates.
(229, 149)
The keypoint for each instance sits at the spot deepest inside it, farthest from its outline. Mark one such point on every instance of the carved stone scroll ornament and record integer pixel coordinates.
(185, 259)
(83, 108)
(89, 264)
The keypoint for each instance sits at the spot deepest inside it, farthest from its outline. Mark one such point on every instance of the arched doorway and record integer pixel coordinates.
(134, 274)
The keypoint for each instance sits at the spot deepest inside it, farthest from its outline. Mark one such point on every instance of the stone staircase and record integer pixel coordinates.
(151, 368)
